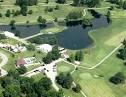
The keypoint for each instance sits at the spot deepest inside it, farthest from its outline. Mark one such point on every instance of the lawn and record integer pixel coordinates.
(38, 76)
(29, 68)
(109, 37)
(52, 30)
(91, 86)
(64, 67)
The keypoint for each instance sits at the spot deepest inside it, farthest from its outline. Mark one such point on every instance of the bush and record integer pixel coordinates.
(118, 78)
(30, 12)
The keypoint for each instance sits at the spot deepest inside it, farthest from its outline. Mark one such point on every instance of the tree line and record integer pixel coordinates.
(13, 85)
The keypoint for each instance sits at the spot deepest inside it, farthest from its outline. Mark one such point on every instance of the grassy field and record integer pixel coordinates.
(38, 10)
(29, 68)
(110, 37)
(38, 76)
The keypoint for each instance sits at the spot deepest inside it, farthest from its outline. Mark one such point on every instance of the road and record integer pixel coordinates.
(3, 62)
(50, 71)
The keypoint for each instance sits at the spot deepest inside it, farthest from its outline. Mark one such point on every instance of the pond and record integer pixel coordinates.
(74, 37)
(25, 30)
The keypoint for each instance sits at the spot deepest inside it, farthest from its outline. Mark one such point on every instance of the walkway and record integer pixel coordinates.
(33, 36)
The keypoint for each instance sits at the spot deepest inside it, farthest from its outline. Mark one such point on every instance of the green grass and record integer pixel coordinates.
(64, 67)
(38, 76)
(109, 37)
(52, 30)
(29, 68)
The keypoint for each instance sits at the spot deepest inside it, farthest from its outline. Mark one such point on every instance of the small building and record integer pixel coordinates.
(45, 48)
(20, 62)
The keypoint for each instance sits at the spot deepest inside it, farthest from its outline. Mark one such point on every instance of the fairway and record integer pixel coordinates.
(109, 39)
(93, 87)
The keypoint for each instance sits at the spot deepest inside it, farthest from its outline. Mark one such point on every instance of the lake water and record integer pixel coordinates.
(25, 30)
(74, 38)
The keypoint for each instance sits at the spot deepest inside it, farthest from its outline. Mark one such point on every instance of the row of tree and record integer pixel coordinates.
(89, 3)
(14, 13)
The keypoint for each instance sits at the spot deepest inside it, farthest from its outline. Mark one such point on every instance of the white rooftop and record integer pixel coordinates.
(45, 48)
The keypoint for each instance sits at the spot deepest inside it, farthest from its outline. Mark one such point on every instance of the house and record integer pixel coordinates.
(45, 48)
(20, 62)
(25, 61)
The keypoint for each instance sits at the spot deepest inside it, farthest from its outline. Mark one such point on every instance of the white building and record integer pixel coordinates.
(45, 48)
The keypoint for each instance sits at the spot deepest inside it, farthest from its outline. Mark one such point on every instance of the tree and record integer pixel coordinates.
(8, 13)
(118, 78)
(1, 15)
(12, 22)
(79, 56)
(22, 70)
(16, 13)
(57, 7)
(65, 80)
(30, 12)
(77, 88)
(2, 36)
(47, 1)
(92, 3)
(23, 10)
(12, 90)
(74, 15)
(124, 5)
(46, 83)
(78, 2)
(48, 58)
(61, 1)
(26, 2)
(30, 47)
(53, 55)
(71, 58)
(41, 20)
(114, 1)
